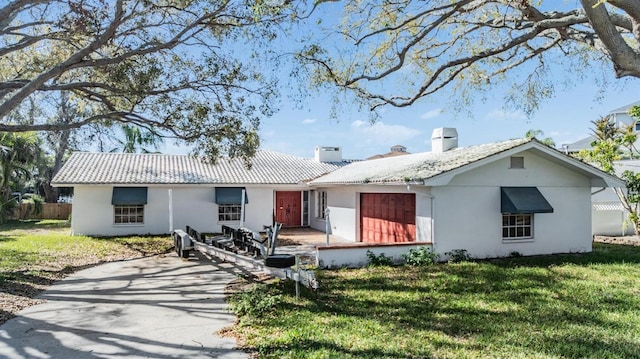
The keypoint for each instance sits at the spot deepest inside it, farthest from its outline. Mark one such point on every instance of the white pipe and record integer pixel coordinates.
(170, 210)
(327, 225)
(242, 208)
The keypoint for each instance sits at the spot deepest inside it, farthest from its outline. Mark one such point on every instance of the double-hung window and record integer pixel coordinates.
(518, 206)
(517, 226)
(128, 205)
(229, 201)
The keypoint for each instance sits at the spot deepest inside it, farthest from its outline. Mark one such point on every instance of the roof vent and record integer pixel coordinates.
(443, 139)
(328, 154)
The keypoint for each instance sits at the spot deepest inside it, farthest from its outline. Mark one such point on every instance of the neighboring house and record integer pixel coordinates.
(397, 150)
(608, 215)
(491, 200)
(620, 116)
(120, 194)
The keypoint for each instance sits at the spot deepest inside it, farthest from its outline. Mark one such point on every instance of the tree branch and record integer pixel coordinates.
(626, 61)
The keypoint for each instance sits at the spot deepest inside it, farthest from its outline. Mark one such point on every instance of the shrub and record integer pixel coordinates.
(458, 255)
(422, 256)
(254, 301)
(378, 260)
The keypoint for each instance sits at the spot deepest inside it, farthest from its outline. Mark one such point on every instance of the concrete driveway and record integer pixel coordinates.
(157, 307)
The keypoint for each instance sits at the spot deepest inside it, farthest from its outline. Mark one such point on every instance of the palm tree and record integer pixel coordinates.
(537, 134)
(136, 140)
(18, 154)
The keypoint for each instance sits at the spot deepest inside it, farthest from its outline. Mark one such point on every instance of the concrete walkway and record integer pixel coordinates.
(157, 307)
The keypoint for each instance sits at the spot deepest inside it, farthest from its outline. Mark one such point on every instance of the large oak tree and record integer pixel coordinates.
(397, 52)
(180, 68)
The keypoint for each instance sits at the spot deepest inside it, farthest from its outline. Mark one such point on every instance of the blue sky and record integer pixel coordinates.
(565, 118)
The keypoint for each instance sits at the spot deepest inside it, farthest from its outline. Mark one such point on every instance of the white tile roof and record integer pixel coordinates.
(416, 166)
(268, 167)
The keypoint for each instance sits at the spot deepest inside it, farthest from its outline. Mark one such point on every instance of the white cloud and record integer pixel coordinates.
(431, 114)
(381, 133)
(503, 115)
(308, 121)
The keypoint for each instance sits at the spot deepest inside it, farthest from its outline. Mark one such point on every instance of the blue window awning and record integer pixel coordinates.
(523, 200)
(129, 196)
(230, 195)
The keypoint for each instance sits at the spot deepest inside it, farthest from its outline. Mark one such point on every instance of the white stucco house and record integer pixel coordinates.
(491, 200)
(121, 194)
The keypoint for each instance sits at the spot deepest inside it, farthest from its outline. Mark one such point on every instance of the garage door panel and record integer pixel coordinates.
(387, 217)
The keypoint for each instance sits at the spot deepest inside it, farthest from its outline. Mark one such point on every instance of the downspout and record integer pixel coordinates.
(170, 211)
(433, 222)
(242, 199)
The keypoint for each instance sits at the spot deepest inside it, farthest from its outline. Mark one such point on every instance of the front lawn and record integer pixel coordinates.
(564, 306)
(35, 253)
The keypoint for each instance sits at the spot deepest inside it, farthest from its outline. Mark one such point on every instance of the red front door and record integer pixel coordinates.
(289, 208)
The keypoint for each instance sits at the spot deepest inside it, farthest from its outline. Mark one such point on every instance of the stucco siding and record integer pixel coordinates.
(92, 212)
(537, 171)
(343, 221)
(468, 215)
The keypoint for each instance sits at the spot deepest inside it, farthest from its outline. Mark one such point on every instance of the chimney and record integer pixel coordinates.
(328, 154)
(443, 139)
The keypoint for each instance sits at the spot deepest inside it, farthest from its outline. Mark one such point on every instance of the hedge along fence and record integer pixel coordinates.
(49, 211)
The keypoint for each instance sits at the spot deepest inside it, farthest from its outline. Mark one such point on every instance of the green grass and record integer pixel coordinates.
(44, 250)
(564, 306)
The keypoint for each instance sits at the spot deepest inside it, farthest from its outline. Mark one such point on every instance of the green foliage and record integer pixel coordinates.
(606, 149)
(633, 185)
(35, 204)
(35, 245)
(257, 300)
(557, 306)
(378, 260)
(7, 209)
(422, 256)
(537, 134)
(400, 52)
(183, 70)
(458, 255)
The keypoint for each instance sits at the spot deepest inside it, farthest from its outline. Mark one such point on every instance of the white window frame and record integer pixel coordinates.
(229, 212)
(517, 229)
(321, 204)
(134, 215)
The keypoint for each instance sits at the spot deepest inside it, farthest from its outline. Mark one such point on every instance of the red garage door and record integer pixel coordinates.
(387, 217)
